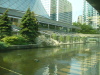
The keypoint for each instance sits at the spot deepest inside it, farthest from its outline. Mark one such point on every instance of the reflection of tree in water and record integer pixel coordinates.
(25, 64)
(23, 61)
(5, 65)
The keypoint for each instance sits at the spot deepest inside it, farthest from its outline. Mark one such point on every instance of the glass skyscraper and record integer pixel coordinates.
(59, 10)
(51, 8)
(47, 12)
(90, 15)
(46, 5)
(65, 12)
(23, 5)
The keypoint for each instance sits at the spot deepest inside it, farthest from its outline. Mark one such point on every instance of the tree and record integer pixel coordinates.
(85, 29)
(5, 25)
(29, 26)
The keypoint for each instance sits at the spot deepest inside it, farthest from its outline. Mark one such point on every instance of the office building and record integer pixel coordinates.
(17, 9)
(23, 5)
(80, 19)
(59, 10)
(90, 15)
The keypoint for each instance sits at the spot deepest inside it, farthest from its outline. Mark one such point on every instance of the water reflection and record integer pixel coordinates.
(76, 59)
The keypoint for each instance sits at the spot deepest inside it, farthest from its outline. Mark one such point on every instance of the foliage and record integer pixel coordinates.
(14, 40)
(54, 36)
(85, 29)
(5, 25)
(3, 45)
(43, 41)
(29, 26)
(68, 38)
(74, 39)
(61, 38)
(92, 39)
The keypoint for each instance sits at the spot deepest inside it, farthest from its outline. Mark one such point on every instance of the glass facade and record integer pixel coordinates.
(59, 10)
(49, 10)
(23, 5)
(53, 10)
(46, 4)
(65, 12)
(90, 15)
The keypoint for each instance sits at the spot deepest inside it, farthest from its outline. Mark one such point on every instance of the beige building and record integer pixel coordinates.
(94, 20)
(80, 19)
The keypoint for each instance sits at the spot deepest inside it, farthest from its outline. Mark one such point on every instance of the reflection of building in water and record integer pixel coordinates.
(55, 70)
(46, 71)
(91, 65)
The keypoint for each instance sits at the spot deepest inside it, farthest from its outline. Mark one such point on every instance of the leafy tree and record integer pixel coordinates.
(85, 29)
(5, 25)
(29, 26)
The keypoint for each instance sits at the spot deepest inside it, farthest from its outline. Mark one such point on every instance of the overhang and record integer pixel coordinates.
(19, 14)
(95, 4)
(55, 23)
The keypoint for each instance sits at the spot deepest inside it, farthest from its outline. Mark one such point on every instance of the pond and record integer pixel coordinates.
(76, 59)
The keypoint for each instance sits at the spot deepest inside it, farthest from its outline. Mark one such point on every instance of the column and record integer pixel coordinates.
(48, 26)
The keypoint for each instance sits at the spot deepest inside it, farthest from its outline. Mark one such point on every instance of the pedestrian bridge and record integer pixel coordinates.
(92, 39)
(89, 35)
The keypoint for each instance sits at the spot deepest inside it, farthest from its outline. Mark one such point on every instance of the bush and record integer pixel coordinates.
(3, 45)
(15, 40)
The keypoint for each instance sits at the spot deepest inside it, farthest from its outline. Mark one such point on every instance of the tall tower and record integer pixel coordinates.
(65, 12)
(80, 20)
(53, 9)
(59, 10)
(90, 15)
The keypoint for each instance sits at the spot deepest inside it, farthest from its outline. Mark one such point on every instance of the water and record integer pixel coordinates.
(77, 59)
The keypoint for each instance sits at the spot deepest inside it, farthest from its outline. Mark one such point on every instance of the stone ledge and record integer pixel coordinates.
(18, 47)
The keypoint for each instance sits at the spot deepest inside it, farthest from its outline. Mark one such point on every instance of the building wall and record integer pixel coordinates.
(53, 9)
(90, 15)
(80, 19)
(65, 12)
(23, 5)
(95, 21)
(46, 5)
(59, 10)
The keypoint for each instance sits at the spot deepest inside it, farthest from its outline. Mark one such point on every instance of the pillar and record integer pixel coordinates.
(48, 27)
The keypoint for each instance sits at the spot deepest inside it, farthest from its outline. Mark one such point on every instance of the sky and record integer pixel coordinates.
(77, 8)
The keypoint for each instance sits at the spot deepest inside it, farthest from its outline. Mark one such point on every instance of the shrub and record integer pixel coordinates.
(3, 45)
(15, 40)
